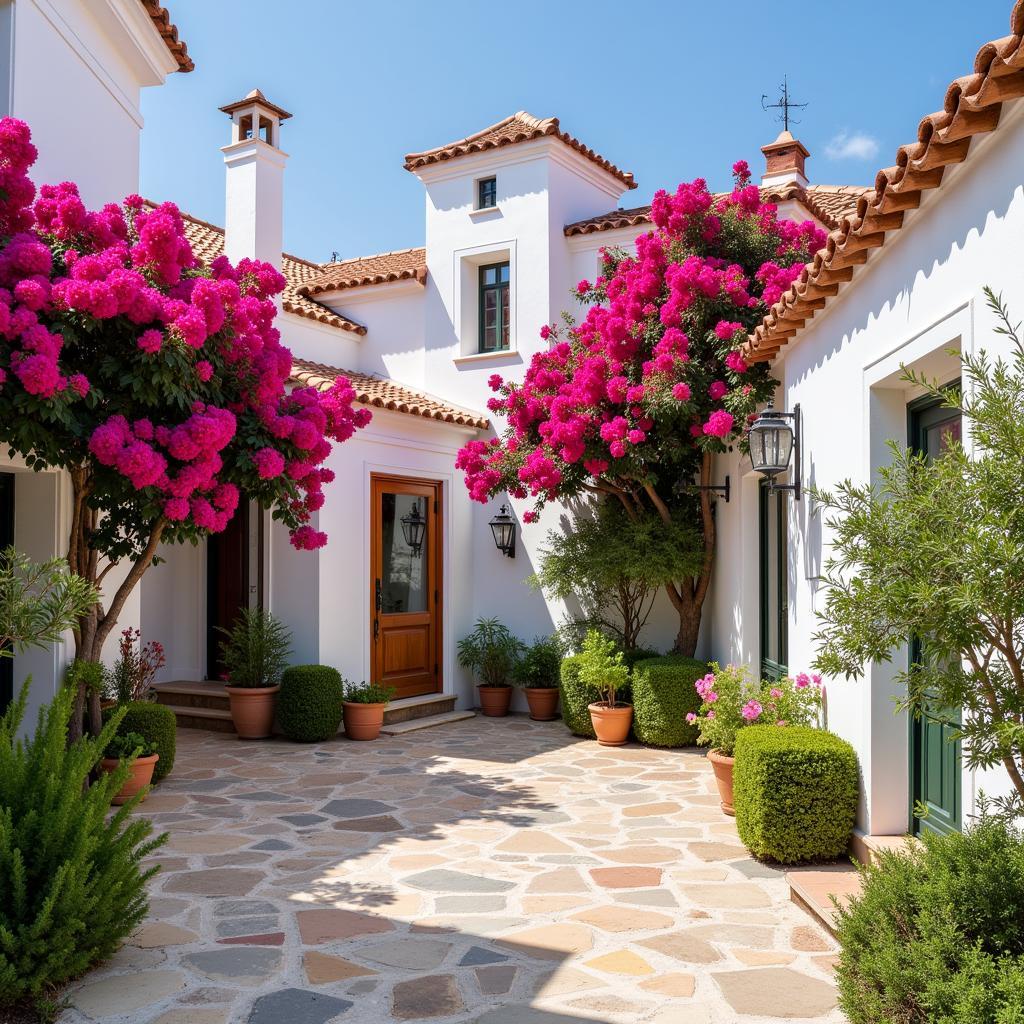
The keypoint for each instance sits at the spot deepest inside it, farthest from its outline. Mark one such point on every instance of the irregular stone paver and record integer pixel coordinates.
(776, 992)
(124, 993)
(296, 1006)
(491, 871)
(426, 997)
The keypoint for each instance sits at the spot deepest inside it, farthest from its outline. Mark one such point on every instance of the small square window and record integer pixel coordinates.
(486, 193)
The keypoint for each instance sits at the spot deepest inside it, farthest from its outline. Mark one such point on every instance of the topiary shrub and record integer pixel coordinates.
(576, 699)
(309, 703)
(157, 724)
(937, 932)
(663, 693)
(72, 886)
(795, 792)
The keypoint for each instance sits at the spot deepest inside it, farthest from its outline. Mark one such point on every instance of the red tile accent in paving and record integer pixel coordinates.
(626, 878)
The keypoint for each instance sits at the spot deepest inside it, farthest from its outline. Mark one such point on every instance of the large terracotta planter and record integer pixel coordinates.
(611, 723)
(722, 766)
(543, 701)
(362, 721)
(141, 776)
(252, 710)
(495, 700)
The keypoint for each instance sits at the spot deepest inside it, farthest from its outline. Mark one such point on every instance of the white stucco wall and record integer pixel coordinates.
(917, 297)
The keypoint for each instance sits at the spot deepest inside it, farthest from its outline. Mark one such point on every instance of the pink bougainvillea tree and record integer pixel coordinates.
(157, 383)
(633, 401)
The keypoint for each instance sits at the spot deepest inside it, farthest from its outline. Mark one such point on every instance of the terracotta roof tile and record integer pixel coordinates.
(972, 107)
(382, 393)
(161, 19)
(520, 127)
(827, 202)
(384, 268)
(207, 241)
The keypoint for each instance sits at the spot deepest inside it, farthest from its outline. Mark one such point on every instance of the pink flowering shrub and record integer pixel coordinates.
(158, 383)
(634, 400)
(731, 699)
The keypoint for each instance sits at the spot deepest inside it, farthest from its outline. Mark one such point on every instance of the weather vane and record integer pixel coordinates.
(785, 104)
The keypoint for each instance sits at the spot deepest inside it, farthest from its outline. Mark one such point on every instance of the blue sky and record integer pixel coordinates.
(669, 90)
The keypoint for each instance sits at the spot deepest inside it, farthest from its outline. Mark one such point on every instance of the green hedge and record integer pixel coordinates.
(795, 791)
(937, 932)
(156, 723)
(309, 703)
(663, 693)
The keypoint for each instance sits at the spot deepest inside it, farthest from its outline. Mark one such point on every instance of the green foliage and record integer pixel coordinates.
(576, 698)
(937, 551)
(157, 724)
(663, 693)
(90, 674)
(309, 703)
(491, 652)
(255, 649)
(612, 565)
(39, 601)
(602, 668)
(541, 662)
(128, 746)
(72, 887)
(795, 790)
(368, 693)
(937, 933)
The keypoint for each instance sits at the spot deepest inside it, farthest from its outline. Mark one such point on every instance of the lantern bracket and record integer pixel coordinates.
(723, 489)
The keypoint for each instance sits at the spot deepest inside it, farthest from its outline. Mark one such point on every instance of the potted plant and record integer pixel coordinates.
(363, 709)
(254, 653)
(730, 700)
(491, 652)
(602, 667)
(141, 756)
(131, 678)
(537, 672)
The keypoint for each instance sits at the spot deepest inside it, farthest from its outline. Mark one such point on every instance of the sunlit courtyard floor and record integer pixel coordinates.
(491, 871)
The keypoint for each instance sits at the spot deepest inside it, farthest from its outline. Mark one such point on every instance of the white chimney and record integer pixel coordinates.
(254, 208)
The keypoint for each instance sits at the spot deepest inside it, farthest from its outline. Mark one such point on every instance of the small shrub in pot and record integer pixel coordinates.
(309, 703)
(364, 708)
(158, 726)
(255, 653)
(491, 653)
(602, 669)
(537, 672)
(141, 758)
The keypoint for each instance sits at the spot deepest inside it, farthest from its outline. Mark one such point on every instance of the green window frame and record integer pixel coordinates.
(494, 308)
(487, 193)
(773, 582)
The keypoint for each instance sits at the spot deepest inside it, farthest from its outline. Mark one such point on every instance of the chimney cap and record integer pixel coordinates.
(784, 141)
(256, 97)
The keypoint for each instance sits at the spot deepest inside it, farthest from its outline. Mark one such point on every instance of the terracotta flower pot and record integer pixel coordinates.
(141, 776)
(494, 700)
(543, 701)
(362, 721)
(611, 723)
(722, 766)
(252, 710)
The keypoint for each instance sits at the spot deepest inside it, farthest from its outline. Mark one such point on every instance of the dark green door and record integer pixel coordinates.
(6, 540)
(773, 583)
(934, 755)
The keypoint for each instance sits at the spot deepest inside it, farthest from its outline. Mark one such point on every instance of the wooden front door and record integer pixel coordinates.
(935, 754)
(227, 583)
(405, 585)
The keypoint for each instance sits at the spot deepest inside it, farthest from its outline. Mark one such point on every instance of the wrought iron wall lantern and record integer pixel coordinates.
(503, 526)
(774, 439)
(414, 527)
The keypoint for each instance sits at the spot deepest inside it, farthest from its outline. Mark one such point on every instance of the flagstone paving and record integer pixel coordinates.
(486, 872)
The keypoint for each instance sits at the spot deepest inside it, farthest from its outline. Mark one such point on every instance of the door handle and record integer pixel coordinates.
(376, 629)
(377, 597)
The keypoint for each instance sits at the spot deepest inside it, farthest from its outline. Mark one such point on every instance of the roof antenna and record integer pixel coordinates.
(785, 104)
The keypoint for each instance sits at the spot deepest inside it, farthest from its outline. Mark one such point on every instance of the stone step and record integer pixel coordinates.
(211, 719)
(427, 722)
(812, 890)
(205, 694)
(865, 848)
(427, 706)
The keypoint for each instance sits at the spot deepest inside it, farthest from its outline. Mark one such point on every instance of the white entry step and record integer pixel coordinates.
(397, 728)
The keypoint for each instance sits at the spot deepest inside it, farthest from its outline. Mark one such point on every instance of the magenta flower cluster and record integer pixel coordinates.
(657, 354)
(127, 275)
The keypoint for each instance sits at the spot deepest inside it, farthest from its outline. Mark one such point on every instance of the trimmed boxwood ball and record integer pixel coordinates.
(795, 792)
(157, 724)
(309, 703)
(663, 693)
